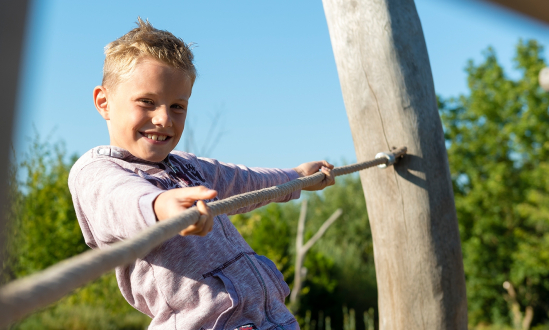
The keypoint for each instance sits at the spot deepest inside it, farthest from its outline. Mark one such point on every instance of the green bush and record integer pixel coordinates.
(44, 230)
(97, 306)
(499, 160)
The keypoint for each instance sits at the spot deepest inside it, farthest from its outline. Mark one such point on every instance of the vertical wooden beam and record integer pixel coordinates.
(12, 27)
(389, 95)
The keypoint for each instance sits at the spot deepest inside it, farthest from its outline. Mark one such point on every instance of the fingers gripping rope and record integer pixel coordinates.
(23, 296)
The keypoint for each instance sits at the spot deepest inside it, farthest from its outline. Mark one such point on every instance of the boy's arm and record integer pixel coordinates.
(231, 179)
(111, 202)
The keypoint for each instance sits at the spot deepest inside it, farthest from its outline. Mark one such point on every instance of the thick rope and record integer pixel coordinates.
(21, 297)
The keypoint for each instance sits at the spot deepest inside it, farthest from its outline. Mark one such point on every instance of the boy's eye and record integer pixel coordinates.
(178, 107)
(146, 101)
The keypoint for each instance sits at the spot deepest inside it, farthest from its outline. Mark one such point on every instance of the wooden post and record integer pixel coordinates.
(389, 95)
(12, 27)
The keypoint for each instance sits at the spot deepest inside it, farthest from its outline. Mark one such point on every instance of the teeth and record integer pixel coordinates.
(156, 137)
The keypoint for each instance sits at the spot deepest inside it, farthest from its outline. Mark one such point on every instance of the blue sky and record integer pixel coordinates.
(266, 70)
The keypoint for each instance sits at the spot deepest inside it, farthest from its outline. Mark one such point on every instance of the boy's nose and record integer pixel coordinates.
(161, 117)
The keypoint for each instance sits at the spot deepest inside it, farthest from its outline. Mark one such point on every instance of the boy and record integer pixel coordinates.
(207, 277)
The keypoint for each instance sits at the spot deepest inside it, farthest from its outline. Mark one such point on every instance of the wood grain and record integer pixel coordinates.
(389, 96)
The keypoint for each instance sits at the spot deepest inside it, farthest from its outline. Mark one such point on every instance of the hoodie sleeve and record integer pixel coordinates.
(112, 203)
(230, 179)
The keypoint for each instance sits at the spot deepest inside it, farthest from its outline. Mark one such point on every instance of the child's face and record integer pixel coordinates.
(146, 111)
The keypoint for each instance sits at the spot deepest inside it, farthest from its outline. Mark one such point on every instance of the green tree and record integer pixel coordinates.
(43, 230)
(43, 220)
(498, 151)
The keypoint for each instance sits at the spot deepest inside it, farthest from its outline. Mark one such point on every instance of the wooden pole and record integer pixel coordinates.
(12, 27)
(389, 95)
(13, 15)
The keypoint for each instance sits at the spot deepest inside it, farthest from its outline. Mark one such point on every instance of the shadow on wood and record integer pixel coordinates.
(389, 96)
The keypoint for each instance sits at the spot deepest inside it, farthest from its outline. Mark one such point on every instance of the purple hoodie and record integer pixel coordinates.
(191, 282)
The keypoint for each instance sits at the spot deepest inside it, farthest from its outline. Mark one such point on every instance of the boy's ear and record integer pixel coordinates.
(100, 101)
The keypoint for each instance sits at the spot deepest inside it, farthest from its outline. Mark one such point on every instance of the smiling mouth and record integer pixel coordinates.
(156, 137)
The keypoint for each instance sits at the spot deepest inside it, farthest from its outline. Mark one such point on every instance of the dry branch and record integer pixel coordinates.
(301, 250)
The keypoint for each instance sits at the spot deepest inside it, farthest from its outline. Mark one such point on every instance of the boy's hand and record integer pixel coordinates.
(306, 169)
(172, 202)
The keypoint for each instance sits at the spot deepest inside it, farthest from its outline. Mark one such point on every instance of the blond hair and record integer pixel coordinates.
(122, 54)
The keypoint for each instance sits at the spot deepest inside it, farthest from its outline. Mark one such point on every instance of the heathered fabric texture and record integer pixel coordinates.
(191, 282)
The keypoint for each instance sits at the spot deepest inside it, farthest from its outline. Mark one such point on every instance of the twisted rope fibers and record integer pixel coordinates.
(21, 297)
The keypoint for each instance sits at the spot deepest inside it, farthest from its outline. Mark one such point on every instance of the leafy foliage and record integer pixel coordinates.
(43, 231)
(43, 218)
(498, 152)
